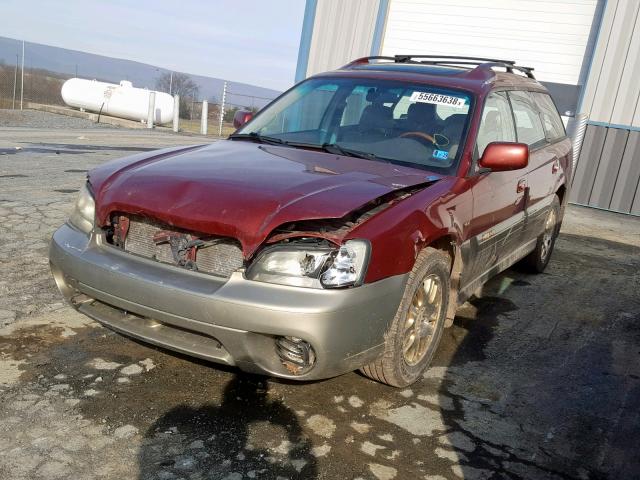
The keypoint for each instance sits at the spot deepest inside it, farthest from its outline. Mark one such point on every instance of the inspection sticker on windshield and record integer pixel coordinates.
(440, 154)
(438, 99)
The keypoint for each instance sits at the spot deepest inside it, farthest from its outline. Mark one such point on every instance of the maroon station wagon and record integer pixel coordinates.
(337, 230)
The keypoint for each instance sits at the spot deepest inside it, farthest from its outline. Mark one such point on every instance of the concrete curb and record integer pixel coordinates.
(105, 119)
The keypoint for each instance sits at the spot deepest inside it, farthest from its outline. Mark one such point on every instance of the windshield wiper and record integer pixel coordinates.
(349, 152)
(260, 138)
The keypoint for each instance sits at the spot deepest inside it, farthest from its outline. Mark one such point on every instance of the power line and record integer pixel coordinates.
(250, 96)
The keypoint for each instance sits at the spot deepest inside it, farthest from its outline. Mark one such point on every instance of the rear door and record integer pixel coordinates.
(498, 198)
(542, 161)
(545, 180)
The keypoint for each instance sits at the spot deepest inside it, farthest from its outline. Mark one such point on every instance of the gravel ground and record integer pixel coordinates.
(37, 119)
(539, 377)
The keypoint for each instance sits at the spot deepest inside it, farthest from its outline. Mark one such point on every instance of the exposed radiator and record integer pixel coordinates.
(221, 258)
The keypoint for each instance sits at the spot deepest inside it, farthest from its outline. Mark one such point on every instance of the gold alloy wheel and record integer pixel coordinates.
(422, 317)
(547, 236)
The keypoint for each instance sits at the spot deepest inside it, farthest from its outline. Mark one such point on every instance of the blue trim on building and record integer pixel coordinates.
(305, 39)
(631, 128)
(593, 54)
(378, 32)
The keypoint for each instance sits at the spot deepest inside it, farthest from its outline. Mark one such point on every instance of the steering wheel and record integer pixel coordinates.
(424, 136)
(430, 138)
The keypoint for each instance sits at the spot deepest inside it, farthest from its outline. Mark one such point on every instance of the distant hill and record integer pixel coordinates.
(109, 69)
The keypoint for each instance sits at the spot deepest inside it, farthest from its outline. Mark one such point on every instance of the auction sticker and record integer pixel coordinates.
(438, 99)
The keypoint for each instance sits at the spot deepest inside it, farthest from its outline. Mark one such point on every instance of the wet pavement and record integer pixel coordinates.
(539, 377)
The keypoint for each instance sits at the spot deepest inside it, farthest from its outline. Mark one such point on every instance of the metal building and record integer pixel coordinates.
(587, 52)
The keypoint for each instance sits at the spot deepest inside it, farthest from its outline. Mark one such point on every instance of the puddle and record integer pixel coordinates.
(66, 190)
(16, 175)
(76, 170)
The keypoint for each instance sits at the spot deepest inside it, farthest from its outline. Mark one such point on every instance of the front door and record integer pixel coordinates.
(498, 200)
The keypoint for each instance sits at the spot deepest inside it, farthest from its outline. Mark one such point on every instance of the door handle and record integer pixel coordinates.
(555, 166)
(522, 186)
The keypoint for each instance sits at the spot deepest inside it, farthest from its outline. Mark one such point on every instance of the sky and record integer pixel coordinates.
(252, 41)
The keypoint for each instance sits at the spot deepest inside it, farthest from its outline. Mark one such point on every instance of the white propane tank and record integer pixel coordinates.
(122, 100)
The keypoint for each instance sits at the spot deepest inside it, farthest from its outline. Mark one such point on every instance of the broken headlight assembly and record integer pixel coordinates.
(313, 266)
(83, 214)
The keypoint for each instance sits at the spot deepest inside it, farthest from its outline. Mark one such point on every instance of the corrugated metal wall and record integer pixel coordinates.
(342, 31)
(608, 171)
(612, 93)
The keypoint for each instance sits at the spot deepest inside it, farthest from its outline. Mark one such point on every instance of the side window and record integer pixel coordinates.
(528, 124)
(553, 126)
(497, 122)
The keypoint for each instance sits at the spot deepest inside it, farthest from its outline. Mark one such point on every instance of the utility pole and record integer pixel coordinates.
(76, 70)
(171, 83)
(204, 117)
(15, 83)
(22, 78)
(224, 98)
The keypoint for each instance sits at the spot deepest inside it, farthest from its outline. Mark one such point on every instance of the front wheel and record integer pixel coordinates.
(538, 260)
(415, 331)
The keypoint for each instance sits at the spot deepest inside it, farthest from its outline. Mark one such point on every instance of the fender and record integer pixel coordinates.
(437, 212)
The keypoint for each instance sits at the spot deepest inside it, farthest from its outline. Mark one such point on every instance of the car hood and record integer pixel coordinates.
(243, 189)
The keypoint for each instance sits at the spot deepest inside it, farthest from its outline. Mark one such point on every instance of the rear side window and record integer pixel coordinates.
(497, 122)
(529, 128)
(553, 126)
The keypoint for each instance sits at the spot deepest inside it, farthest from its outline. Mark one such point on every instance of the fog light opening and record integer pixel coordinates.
(297, 356)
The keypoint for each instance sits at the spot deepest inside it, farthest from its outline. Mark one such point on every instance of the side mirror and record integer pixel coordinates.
(503, 156)
(241, 117)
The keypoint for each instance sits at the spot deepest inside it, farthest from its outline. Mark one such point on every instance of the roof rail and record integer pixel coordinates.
(365, 60)
(478, 60)
(448, 60)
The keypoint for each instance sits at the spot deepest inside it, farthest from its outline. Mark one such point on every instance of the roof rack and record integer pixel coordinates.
(448, 60)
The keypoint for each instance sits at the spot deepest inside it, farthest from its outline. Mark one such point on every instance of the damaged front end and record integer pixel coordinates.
(280, 310)
(148, 238)
(314, 253)
(306, 253)
(336, 229)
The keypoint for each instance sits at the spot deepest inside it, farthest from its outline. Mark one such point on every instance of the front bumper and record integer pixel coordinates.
(232, 321)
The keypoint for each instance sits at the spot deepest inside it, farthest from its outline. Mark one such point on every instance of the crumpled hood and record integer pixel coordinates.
(242, 189)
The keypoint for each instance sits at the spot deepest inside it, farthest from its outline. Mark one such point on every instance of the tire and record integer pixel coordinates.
(538, 260)
(425, 299)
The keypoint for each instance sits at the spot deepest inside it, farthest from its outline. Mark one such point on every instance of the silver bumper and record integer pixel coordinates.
(232, 321)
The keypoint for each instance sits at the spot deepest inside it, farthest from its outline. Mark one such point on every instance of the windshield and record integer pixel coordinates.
(414, 124)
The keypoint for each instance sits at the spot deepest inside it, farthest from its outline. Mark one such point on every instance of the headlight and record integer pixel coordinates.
(348, 265)
(315, 267)
(84, 211)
